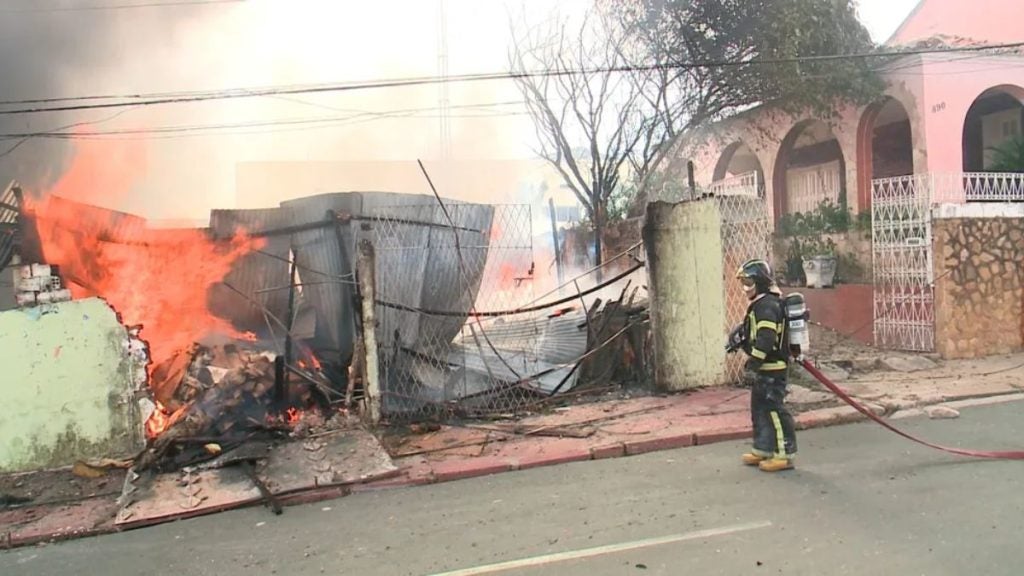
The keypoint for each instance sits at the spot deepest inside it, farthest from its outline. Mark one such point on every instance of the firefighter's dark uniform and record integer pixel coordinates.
(774, 431)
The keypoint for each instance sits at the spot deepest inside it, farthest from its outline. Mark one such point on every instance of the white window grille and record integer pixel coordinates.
(807, 187)
(746, 184)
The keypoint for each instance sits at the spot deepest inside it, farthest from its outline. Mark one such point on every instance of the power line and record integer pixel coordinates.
(304, 124)
(26, 137)
(181, 97)
(297, 122)
(273, 129)
(100, 7)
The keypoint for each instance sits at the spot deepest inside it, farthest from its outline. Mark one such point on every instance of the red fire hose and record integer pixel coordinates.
(1002, 455)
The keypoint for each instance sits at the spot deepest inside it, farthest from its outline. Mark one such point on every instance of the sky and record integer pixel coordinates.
(47, 50)
(882, 17)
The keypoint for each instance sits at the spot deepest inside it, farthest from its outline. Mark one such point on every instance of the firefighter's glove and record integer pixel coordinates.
(736, 339)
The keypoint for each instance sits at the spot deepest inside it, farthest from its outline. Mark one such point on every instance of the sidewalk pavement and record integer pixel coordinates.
(635, 426)
(610, 429)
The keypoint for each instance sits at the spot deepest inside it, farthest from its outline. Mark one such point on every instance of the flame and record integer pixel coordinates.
(154, 278)
(313, 363)
(292, 416)
(157, 422)
(161, 420)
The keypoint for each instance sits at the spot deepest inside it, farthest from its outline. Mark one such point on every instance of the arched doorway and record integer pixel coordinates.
(738, 161)
(809, 169)
(885, 146)
(995, 120)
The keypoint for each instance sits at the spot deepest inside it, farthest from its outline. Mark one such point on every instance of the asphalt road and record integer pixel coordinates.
(863, 501)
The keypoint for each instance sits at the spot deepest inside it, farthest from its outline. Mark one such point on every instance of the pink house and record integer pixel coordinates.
(926, 142)
(941, 114)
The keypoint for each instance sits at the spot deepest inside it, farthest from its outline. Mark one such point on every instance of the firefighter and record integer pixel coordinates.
(764, 341)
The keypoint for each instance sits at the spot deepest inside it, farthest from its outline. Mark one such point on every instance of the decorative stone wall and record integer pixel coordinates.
(979, 286)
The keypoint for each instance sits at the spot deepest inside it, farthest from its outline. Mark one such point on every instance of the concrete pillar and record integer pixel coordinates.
(684, 265)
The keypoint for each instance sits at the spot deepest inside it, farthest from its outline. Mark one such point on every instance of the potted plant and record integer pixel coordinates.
(819, 262)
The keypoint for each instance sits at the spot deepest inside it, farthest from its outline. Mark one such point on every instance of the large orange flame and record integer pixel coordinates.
(154, 278)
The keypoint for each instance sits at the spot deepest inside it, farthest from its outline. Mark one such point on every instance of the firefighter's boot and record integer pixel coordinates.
(775, 464)
(752, 459)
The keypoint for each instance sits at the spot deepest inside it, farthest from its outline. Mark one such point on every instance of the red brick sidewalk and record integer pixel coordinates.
(588, 432)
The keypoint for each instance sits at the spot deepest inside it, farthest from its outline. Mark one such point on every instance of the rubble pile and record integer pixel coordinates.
(213, 397)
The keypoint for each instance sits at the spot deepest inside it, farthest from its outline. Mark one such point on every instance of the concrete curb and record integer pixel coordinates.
(485, 466)
(660, 443)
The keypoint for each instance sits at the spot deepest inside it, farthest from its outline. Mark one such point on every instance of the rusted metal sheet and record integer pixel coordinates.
(324, 256)
(261, 276)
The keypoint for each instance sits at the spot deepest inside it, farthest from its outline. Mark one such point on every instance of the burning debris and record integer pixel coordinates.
(228, 394)
(255, 324)
(252, 340)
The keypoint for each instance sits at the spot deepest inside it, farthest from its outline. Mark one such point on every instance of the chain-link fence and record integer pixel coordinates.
(447, 342)
(746, 234)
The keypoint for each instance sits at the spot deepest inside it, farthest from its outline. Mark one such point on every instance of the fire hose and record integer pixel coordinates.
(1000, 455)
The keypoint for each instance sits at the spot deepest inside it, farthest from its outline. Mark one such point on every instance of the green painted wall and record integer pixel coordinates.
(684, 265)
(65, 386)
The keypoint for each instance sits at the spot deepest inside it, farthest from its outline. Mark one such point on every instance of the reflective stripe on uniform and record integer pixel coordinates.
(780, 438)
(773, 326)
(772, 366)
(758, 354)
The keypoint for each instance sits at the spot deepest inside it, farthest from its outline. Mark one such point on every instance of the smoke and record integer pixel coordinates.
(251, 43)
(45, 54)
(48, 51)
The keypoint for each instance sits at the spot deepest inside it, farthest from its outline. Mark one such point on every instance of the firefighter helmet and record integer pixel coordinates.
(756, 275)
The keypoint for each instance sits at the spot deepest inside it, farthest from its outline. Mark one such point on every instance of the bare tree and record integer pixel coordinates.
(595, 121)
(611, 93)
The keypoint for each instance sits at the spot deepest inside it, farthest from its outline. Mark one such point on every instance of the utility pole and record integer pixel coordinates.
(554, 240)
(443, 103)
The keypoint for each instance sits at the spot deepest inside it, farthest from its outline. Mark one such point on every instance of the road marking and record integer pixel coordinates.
(601, 550)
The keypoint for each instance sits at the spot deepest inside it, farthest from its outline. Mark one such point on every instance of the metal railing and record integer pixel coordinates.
(746, 184)
(953, 187)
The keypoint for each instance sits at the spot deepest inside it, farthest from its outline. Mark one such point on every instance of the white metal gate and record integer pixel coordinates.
(901, 241)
